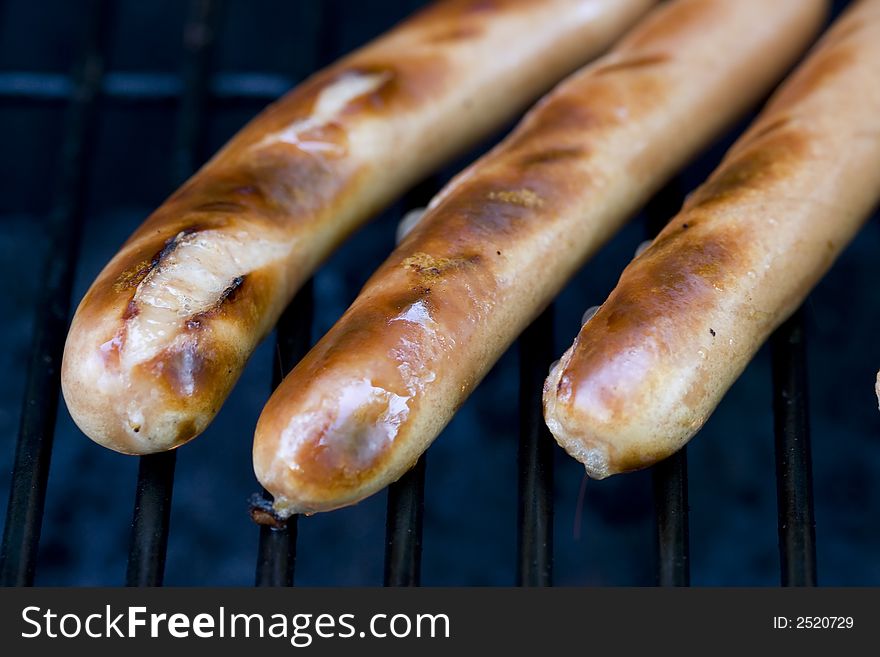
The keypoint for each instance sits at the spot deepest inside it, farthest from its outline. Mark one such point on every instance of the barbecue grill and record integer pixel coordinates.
(200, 90)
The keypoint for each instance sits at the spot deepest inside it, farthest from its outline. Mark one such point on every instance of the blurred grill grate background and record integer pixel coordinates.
(170, 96)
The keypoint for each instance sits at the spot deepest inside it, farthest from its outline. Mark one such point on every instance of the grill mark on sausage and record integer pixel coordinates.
(751, 169)
(228, 295)
(554, 124)
(676, 275)
(131, 278)
(171, 245)
(227, 207)
(824, 66)
(222, 190)
(455, 33)
(677, 22)
(629, 331)
(849, 28)
(131, 310)
(523, 197)
(299, 186)
(551, 156)
(403, 83)
(632, 63)
(771, 127)
(599, 105)
(455, 11)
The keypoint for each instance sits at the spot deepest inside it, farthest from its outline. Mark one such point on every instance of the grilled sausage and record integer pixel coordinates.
(499, 242)
(690, 312)
(163, 334)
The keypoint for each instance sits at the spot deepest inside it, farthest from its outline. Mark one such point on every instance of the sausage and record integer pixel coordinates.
(688, 314)
(164, 332)
(498, 243)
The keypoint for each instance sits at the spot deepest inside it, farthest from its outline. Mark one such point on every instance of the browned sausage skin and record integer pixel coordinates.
(689, 313)
(163, 333)
(500, 241)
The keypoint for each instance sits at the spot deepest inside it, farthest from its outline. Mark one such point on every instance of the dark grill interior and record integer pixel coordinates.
(322, 30)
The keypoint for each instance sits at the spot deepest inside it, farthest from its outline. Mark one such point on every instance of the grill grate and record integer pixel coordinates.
(277, 545)
(277, 548)
(669, 478)
(406, 496)
(536, 449)
(152, 506)
(27, 496)
(794, 477)
(151, 520)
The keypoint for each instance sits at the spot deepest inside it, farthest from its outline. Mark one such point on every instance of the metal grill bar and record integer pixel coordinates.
(198, 38)
(30, 474)
(406, 496)
(669, 478)
(152, 507)
(794, 478)
(27, 86)
(671, 503)
(403, 528)
(151, 520)
(276, 554)
(535, 457)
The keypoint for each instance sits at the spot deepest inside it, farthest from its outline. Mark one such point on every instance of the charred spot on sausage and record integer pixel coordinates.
(641, 61)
